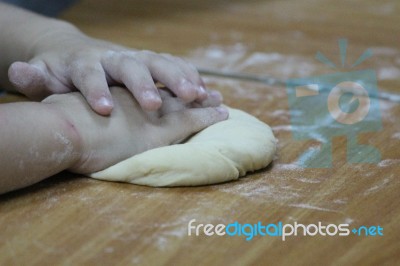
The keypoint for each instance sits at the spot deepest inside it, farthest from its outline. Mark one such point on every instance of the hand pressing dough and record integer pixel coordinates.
(222, 152)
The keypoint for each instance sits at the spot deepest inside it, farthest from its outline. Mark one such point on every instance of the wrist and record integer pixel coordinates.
(71, 137)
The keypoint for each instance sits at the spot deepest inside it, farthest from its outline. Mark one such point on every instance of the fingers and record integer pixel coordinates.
(137, 71)
(33, 80)
(26, 79)
(213, 99)
(91, 74)
(179, 125)
(191, 73)
(136, 77)
(91, 81)
(178, 76)
(173, 104)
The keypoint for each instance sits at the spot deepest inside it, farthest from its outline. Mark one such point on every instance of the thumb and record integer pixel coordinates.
(181, 124)
(27, 79)
(35, 80)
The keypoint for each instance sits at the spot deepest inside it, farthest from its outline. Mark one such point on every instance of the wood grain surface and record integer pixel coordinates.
(73, 220)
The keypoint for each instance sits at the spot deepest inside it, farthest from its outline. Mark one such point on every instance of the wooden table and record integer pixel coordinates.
(73, 220)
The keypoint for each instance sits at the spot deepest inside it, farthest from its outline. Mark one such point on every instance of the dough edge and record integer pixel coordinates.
(222, 152)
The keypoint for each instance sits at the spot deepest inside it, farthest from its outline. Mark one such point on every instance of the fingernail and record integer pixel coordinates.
(150, 101)
(189, 92)
(186, 83)
(202, 91)
(216, 94)
(103, 101)
(222, 110)
(103, 106)
(151, 96)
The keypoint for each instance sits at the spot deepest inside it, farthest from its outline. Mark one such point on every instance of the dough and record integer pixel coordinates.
(222, 152)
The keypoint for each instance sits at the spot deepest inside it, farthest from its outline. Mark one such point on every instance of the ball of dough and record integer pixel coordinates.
(222, 152)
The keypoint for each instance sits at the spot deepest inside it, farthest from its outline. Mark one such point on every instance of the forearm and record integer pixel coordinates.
(36, 143)
(20, 30)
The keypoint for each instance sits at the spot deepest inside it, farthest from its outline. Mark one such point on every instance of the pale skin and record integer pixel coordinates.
(84, 126)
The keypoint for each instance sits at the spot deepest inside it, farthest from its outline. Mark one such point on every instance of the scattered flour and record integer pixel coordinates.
(389, 162)
(340, 201)
(262, 191)
(282, 128)
(311, 207)
(348, 221)
(289, 167)
(396, 135)
(382, 184)
(240, 58)
(307, 180)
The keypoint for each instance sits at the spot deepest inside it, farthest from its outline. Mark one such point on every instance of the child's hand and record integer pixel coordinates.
(66, 60)
(104, 141)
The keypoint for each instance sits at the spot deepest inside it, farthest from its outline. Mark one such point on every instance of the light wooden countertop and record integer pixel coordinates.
(73, 220)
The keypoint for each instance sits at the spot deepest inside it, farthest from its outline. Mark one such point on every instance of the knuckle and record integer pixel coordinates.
(146, 53)
(166, 54)
(146, 57)
(83, 64)
(129, 61)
